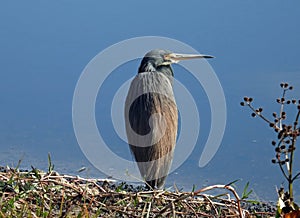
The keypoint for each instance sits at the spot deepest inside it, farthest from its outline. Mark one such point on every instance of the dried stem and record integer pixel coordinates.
(281, 108)
(287, 135)
(258, 114)
(224, 187)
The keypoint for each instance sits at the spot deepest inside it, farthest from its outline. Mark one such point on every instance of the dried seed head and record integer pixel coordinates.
(250, 99)
(282, 100)
(286, 85)
(245, 98)
(277, 149)
(272, 124)
(298, 107)
(294, 101)
(281, 134)
(288, 101)
(282, 147)
(291, 148)
(291, 88)
(281, 85)
(278, 100)
(274, 114)
(276, 120)
(294, 134)
(287, 160)
(260, 109)
(242, 103)
(274, 161)
(281, 190)
(283, 126)
(253, 114)
(273, 143)
(287, 195)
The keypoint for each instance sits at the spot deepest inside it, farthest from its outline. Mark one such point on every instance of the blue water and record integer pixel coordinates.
(44, 47)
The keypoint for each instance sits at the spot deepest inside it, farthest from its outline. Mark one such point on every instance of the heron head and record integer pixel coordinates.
(161, 60)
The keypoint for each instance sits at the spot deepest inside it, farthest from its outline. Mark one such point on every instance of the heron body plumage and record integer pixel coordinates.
(151, 115)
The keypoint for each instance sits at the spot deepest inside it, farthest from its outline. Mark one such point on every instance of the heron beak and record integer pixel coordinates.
(175, 58)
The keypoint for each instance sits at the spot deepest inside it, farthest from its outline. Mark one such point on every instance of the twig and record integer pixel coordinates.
(173, 209)
(295, 177)
(281, 108)
(191, 208)
(259, 114)
(223, 187)
(149, 209)
(212, 204)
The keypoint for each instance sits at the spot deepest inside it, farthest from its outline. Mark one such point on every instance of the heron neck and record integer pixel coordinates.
(164, 69)
(146, 67)
(167, 71)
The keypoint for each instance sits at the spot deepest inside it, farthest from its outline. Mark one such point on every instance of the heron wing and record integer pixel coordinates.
(151, 124)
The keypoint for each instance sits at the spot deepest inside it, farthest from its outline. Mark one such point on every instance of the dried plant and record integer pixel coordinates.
(49, 194)
(285, 144)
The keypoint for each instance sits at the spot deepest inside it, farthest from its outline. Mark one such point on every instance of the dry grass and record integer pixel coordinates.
(39, 194)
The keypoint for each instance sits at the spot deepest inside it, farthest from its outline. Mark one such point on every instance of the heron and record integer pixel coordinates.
(151, 115)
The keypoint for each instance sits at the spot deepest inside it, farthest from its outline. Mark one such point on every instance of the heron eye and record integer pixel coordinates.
(166, 57)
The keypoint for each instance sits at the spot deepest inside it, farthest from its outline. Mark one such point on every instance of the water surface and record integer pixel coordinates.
(45, 46)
